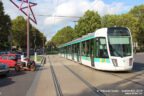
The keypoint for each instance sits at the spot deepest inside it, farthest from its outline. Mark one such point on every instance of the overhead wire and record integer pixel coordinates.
(55, 16)
(93, 5)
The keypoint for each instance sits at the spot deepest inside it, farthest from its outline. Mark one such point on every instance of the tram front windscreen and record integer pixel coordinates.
(119, 40)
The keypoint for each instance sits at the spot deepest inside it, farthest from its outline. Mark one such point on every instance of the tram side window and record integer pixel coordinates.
(83, 48)
(76, 48)
(91, 47)
(101, 48)
(66, 49)
(87, 48)
(70, 49)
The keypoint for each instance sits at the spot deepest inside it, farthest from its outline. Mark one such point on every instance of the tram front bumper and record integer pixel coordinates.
(124, 68)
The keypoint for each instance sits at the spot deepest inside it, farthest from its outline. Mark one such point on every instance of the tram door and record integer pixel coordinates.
(92, 52)
(72, 52)
(78, 53)
(66, 52)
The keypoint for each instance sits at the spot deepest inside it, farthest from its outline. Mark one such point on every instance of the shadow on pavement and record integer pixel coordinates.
(5, 81)
(85, 92)
(13, 73)
(138, 66)
(123, 86)
(8, 80)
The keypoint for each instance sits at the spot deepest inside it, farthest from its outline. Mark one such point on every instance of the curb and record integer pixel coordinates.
(43, 61)
(32, 89)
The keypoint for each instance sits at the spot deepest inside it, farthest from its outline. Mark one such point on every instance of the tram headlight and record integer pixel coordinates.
(130, 61)
(115, 63)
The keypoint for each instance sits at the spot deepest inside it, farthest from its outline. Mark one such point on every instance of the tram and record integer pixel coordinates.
(108, 49)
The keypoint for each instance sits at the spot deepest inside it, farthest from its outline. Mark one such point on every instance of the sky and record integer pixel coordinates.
(47, 11)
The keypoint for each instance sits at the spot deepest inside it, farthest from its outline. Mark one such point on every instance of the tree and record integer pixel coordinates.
(111, 21)
(37, 38)
(50, 46)
(138, 12)
(5, 26)
(64, 35)
(127, 20)
(124, 20)
(19, 31)
(90, 22)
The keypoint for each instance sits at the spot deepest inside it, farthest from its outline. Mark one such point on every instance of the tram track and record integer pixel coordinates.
(129, 80)
(55, 80)
(93, 88)
(115, 75)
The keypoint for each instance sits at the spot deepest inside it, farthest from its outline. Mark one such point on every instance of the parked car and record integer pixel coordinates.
(4, 69)
(10, 59)
(1, 53)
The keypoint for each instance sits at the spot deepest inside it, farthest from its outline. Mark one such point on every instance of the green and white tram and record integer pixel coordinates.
(106, 49)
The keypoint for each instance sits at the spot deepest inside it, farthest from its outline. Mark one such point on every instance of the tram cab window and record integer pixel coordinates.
(101, 48)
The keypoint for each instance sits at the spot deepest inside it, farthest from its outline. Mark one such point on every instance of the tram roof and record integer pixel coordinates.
(83, 38)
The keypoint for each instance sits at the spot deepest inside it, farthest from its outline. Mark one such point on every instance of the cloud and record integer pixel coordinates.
(79, 7)
(50, 22)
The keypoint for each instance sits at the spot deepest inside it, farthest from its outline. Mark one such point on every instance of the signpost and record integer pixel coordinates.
(22, 8)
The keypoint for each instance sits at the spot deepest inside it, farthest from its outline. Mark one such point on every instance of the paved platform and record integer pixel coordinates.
(62, 77)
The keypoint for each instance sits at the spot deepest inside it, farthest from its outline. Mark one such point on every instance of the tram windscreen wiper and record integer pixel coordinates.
(115, 52)
(119, 54)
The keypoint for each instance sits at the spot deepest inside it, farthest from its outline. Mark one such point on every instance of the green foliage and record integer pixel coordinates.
(138, 12)
(111, 20)
(37, 38)
(50, 46)
(52, 52)
(64, 35)
(39, 58)
(19, 33)
(132, 23)
(18, 27)
(5, 26)
(87, 24)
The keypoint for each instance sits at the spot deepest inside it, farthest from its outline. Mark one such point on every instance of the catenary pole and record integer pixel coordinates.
(28, 40)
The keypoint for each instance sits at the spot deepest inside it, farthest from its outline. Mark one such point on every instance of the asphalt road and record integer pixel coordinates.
(16, 83)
